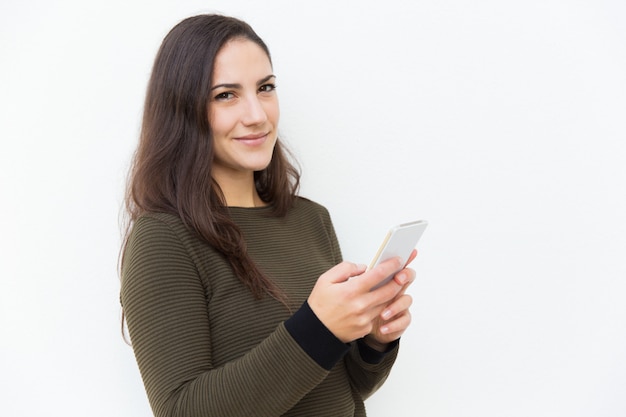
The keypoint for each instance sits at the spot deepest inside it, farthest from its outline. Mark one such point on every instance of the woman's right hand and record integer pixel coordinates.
(342, 300)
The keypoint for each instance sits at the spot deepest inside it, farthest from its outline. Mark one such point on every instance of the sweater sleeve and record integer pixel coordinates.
(165, 307)
(366, 374)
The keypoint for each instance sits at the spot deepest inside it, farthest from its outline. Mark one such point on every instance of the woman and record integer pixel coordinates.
(234, 293)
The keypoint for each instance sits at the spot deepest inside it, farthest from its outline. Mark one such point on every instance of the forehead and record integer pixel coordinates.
(240, 59)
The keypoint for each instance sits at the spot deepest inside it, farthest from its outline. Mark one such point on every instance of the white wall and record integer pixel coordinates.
(503, 123)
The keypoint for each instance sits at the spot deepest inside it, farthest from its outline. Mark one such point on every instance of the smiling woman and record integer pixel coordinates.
(235, 296)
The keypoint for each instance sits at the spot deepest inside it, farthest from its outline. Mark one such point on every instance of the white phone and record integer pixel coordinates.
(400, 241)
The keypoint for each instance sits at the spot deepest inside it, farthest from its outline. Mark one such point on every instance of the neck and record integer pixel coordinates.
(239, 190)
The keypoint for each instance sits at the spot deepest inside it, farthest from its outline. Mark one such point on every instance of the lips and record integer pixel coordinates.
(253, 139)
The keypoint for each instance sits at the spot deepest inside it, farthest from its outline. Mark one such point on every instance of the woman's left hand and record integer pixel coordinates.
(396, 317)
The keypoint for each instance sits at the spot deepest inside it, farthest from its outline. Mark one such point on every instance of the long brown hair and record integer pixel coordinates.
(171, 169)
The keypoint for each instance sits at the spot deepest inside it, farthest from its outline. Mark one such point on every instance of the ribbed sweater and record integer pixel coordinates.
(206, 347)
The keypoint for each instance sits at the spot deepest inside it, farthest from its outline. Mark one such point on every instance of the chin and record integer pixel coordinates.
(259, 164)
(261, 167)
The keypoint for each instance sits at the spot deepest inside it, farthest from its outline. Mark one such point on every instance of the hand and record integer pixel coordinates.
(395, 318)
(342, 299)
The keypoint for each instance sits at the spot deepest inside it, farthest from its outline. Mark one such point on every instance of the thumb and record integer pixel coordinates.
(342, 272)
(382, 272)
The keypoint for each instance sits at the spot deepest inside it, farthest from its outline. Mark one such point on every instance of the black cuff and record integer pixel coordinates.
(373, 356)
(314, 338)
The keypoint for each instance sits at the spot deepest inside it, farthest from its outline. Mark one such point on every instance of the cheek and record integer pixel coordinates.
(220, 122)
(272, 109)
(212, 118)
(274, 113)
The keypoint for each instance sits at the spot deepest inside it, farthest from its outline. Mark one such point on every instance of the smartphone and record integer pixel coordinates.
(400, 241)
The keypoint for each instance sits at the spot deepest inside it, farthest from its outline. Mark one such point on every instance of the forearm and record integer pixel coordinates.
(173, 349)
(267, 381)
(368, 368)
(276, 374)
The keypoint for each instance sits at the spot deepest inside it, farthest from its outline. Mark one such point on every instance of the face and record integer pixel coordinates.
(243, 110)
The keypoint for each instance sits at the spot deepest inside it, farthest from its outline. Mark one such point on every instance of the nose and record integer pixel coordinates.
(254, 112)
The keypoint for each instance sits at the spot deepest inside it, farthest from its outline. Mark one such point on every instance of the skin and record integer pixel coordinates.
(244, 112)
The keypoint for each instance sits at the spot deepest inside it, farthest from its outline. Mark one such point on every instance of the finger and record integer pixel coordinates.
(412, 256)
(397, 307)
(397, 326)
(342, 272)
(405, 277)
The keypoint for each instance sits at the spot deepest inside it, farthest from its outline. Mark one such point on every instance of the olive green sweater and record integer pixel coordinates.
(206, 347)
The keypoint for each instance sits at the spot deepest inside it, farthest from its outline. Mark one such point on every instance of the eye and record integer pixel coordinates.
(227, 95)
(267, 88)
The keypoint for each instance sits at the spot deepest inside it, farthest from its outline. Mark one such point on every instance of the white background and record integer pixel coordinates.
(501, 122)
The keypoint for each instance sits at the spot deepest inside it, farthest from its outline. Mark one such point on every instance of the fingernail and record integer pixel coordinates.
(384, 330)
(402, 278)
(386, 314)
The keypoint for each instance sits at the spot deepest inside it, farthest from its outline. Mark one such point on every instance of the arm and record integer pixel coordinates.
(165, 305)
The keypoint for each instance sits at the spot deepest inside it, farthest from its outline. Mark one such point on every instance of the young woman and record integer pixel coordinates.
(233, 288)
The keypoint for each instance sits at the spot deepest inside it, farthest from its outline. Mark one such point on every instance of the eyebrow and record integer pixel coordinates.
(236, 86)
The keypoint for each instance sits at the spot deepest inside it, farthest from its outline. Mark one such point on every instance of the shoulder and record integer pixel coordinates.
(158, 221)
(158, 244)
(303, 204)
(308, 211)
(157, 236)
(157, 226)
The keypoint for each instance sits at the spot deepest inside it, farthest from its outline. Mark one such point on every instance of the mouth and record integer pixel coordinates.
(253, 139)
